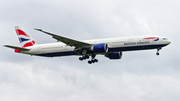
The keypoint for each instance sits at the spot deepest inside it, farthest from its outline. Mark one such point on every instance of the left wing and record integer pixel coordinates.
(68, 41)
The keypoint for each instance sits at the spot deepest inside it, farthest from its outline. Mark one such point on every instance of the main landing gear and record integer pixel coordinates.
(93, 60)
(84, 57)
(158, 50)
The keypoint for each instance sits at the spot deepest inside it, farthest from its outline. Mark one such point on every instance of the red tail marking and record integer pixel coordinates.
(28, 44)
(20, 32)
(33, 42)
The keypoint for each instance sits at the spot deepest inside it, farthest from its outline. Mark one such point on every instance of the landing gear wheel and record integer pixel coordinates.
(84, 57)
(87, 57)
(157, 53)
(89, 62)
(93, 61)
(96, 60)
(80, 58)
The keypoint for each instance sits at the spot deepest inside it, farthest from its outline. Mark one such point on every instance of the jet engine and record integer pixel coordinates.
(100, 48)
(114, 55)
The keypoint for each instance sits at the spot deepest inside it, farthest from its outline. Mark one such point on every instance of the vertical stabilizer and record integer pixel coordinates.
(24, 38)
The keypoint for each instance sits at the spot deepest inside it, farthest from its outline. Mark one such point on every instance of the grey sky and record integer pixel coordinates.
(138, 76)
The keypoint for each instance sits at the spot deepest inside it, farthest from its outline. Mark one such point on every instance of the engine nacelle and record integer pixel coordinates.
(100, 48)
(114, 55)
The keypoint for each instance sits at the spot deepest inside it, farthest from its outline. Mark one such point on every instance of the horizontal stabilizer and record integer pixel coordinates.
(19, 48)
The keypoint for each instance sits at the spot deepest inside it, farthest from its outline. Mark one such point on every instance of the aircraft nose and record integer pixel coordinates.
(168, 42)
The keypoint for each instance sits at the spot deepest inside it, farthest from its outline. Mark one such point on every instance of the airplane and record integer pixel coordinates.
(111, 48)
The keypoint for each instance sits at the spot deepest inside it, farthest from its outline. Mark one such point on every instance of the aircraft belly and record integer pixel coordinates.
(132, 48)
(57, 52)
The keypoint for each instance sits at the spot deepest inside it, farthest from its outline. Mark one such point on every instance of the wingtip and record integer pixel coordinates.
(5, 45)
(38, 29)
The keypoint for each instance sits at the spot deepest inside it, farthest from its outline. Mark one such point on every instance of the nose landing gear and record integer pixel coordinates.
(157, 53)
(158, 50)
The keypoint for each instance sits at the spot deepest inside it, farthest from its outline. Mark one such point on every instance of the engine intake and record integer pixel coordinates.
(114, 55)
(100, 48)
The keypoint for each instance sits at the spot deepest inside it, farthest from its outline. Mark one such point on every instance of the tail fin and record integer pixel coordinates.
(24, 38)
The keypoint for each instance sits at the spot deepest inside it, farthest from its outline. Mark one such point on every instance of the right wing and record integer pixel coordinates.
(19, 48)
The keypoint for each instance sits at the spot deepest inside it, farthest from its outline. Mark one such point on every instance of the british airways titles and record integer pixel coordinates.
(135, 43)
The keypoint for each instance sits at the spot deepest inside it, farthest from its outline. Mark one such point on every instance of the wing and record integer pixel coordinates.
(14, 47)
(68, 41)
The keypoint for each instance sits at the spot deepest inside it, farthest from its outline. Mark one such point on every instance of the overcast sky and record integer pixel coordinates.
(138, 76)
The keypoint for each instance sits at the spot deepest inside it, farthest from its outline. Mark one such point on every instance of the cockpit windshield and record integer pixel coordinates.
(165, 39)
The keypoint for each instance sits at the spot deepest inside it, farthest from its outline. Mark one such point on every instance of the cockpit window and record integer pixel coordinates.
(165, 39)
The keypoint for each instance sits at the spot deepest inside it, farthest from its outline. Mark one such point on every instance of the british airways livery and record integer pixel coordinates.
(111, 48)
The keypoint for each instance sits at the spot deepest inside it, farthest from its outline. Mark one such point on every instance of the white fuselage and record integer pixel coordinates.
(114, 45)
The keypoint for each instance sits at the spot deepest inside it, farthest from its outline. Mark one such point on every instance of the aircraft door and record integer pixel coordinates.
(39, 49)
